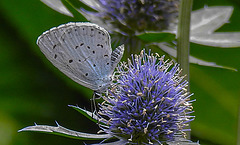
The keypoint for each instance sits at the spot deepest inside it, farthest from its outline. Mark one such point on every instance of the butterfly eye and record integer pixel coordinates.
(86, 74)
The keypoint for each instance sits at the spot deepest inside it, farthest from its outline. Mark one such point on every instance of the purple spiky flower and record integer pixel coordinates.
(126, 19)
(139, 15)
(149, 103)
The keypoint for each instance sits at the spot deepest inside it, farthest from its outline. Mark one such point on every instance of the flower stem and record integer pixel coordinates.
(238, 130)
(183, 38)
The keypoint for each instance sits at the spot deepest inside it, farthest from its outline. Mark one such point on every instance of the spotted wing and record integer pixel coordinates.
(82, 51)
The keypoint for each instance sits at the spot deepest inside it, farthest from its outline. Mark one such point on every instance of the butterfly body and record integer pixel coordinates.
(83, 52)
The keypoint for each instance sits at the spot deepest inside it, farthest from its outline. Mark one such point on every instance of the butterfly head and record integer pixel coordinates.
(103, 84)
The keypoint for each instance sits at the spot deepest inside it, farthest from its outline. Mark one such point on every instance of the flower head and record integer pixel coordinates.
(149, 102)
(126, 19)
(140, 15)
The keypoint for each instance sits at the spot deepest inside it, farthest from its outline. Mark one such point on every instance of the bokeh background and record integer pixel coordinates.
(32, 90)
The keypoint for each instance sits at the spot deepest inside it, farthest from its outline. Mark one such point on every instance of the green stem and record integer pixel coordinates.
(238, 130)
(183, 38)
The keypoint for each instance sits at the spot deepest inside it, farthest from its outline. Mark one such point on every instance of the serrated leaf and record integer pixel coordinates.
(58, 6)
(194, 60)
(86, 113)
(223, 39)
(59, 130)
(150, 37)
(209, 19)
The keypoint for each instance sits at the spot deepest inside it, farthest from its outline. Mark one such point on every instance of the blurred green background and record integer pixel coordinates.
(32, 90)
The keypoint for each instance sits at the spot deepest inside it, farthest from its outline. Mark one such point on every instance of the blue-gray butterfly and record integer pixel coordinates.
(83, 52)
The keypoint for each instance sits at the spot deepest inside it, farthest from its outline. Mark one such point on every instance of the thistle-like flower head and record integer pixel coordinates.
(149, 103)
(127, 19)
(140, 15)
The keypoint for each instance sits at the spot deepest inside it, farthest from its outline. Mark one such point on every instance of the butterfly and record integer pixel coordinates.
(83, 52)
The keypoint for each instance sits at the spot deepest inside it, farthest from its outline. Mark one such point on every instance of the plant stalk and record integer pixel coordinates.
(238, 129)
(183, 36)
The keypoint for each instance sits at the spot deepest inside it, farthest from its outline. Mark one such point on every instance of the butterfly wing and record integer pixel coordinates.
(82, 51)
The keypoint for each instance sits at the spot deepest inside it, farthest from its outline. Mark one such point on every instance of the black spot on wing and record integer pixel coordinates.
(70, 61)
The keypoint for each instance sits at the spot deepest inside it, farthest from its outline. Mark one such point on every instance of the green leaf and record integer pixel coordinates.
(59, 130)
(87, 114)
(156, 37)
(209, 19)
